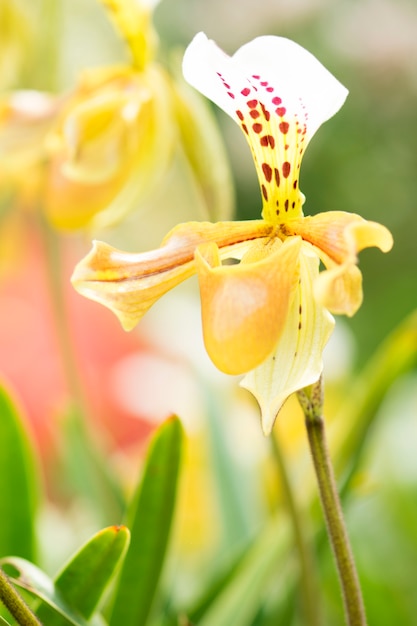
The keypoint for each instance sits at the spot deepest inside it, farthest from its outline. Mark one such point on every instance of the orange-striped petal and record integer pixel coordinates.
(129, 284)
(245, 306)
(340, 235)
(297, 358)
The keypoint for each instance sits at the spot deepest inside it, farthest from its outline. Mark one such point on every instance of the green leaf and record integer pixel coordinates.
(239, 602)
(3, 621)
(149, 519)
(84, 579)
(87, 470)
(19, 486)
(221, 581)
(396, 356)
(29, 577)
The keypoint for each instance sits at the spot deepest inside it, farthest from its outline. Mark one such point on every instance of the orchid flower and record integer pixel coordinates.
(267, 314)
(101, 149)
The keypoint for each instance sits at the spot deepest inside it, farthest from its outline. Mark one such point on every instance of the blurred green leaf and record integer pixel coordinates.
(149, 519)
(29, 577)
(84, 579)
(87, 471)
(19, 485)
(3, 621)
(222, 580)
(396, 356)
(239, 602)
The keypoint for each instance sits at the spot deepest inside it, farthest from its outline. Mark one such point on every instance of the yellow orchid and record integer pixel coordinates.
(103, 147)
(265, 306)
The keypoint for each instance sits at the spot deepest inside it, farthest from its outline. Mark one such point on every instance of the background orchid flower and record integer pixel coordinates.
(102, 148)
(268, 315)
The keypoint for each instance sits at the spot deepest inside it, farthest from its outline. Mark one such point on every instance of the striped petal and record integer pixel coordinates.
(279, 94)
(129, 284)
(297, 358)
(340, 235)
(245, 306)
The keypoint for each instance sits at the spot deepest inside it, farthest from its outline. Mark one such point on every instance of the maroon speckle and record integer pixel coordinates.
(286, 205)
(240, 115)
(226, 85)
(284, 126)
(295, 184)
(245, 129)
(254, 113)
(252, 104)
(293, 205)
(229, 93)
(264, 192)
(256, 76)
(269, 89)
(281, 111)
(277, 177)
(245, 91)
(267, 170)
(257, 128)
(268, 140)
(266, 113)
(286, 169)
(276, 100)
(264, 83)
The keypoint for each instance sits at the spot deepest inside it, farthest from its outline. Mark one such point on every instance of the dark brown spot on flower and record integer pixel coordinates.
(277, 176)
(267, 170)
(286, 169)
(268, 140)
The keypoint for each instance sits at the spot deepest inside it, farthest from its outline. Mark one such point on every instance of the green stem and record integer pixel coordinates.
(307, 575)
(311, 402)
(15, 604)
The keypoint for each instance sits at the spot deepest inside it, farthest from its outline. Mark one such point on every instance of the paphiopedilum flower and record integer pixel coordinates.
(265, 306)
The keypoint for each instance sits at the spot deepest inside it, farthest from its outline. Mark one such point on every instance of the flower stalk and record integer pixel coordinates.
(311, 400)
(15, 604)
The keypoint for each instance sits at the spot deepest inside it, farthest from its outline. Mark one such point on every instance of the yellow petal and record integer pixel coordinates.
(245, 306)
(26, 117)
(113, 146)
(339, 289)
(133, 20)
(339, 235)
(297, 358)
(129, 284)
